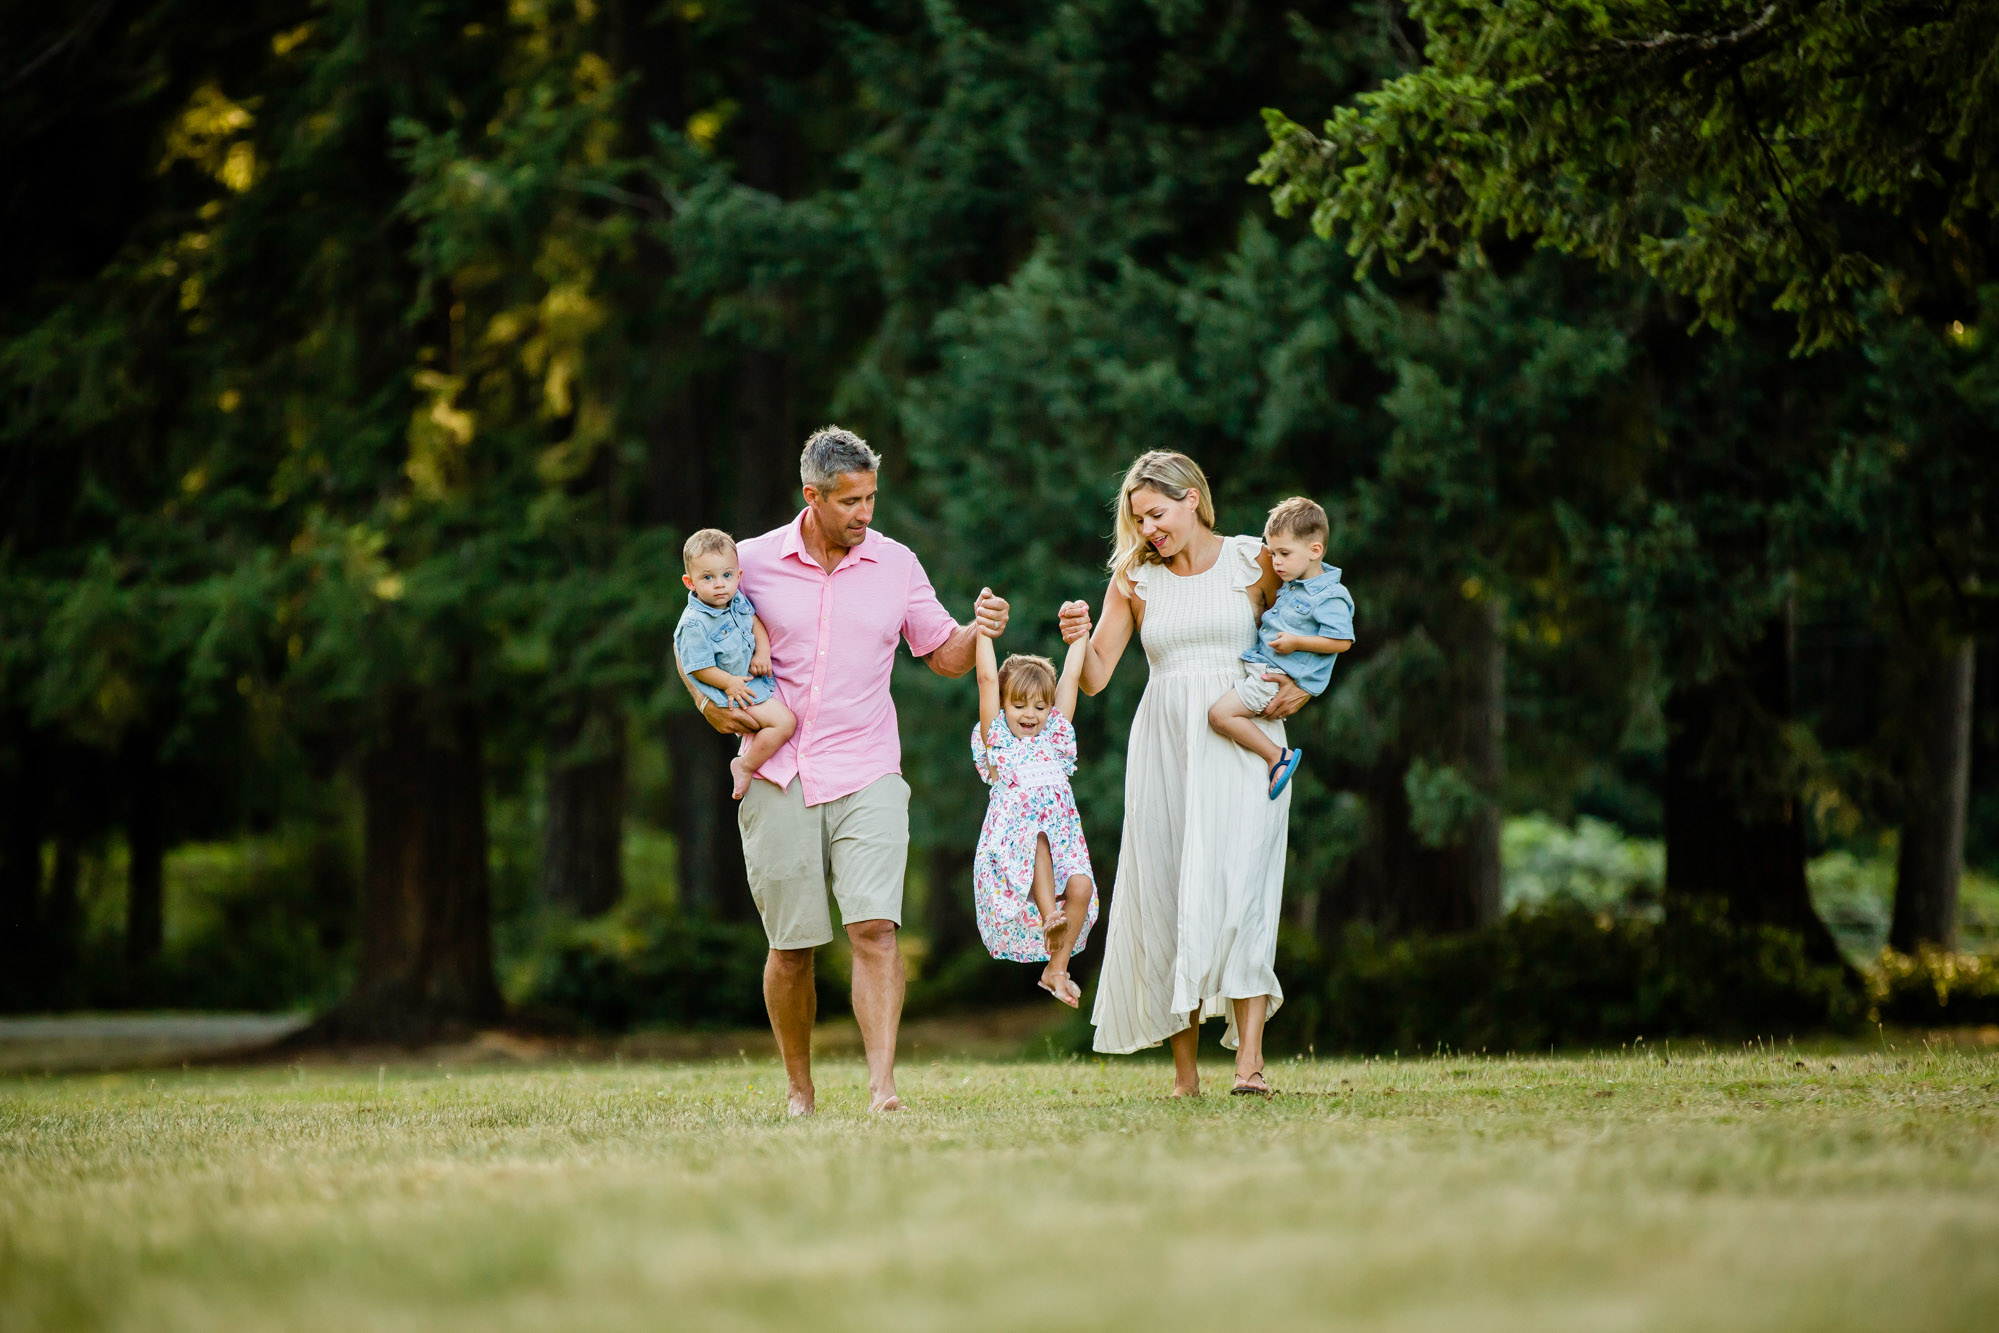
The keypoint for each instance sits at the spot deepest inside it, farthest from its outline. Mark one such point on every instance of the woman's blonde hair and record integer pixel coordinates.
(1024, 676)
(1172, 475)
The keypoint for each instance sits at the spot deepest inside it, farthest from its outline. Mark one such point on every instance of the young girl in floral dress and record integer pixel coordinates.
(1025, 749)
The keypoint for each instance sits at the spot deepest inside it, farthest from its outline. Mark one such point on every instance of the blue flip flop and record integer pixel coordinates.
(1286, 765)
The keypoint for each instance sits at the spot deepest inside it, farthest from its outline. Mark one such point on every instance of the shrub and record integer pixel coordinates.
(1934, 988)
(674, 971)
(1564, 976)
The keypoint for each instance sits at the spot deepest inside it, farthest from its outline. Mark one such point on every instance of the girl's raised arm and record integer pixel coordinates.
(987, 667)
(1072, 676)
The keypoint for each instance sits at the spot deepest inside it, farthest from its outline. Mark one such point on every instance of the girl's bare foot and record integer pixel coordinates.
(740, 771)
(1051, 926)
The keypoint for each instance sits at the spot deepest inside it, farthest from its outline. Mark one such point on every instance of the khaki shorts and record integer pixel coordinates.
(1254, 691)
(857, 845)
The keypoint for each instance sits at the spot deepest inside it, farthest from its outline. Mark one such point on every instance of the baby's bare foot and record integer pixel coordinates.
(741, 772)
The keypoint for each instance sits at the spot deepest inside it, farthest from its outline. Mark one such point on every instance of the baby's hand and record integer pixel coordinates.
(738, 693)
(760, 662)
(1284, 644)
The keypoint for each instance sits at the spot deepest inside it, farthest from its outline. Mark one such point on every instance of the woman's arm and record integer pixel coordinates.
(1112, 633)
(1263, 592)
(1072, 676)
(989, 700)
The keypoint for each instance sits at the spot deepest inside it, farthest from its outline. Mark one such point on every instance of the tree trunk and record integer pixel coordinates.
(426, 928)
(145, 844)
(1397, 883)
(1733, 832)
(767, 442)
(948, 913)
(713, 880)
(23, 825)
(1484, 722)
(63, 919)
(582, 850)
(1931, 860)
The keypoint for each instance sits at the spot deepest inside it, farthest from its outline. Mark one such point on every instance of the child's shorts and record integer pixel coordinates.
(1254, 691)
(761, 690)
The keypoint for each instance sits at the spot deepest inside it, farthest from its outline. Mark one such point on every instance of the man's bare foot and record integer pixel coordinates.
(888, 1103)
(741, 772)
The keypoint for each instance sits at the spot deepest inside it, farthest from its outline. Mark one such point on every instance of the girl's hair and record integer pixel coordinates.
(1172, 475)
(1023, 676)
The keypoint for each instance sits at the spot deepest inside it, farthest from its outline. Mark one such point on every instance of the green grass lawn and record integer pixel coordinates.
(1762, 1189)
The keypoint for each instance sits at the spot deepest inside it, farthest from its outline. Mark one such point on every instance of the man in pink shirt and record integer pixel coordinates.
(830, 808)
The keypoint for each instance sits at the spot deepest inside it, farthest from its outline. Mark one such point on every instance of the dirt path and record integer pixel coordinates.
(109, 1041)
(135, 1041)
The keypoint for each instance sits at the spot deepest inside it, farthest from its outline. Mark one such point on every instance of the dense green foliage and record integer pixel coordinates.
(1737, 151)
(354, 412)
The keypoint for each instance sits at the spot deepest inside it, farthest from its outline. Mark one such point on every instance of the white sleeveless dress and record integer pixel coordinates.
(1200, 871)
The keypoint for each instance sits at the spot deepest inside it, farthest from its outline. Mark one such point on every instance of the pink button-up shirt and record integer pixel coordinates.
(832, 646)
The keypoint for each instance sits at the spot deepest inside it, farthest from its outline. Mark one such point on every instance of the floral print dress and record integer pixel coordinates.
(1030, 798)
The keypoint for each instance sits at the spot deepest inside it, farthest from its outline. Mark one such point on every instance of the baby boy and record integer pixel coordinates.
(1305, 628)
(725, 650)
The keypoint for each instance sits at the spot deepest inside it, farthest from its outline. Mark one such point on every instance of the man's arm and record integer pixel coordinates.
(954, 656)
(728, 721)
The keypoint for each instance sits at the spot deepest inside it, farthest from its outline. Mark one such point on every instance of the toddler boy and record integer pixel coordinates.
(1300, 635)
(725, 650)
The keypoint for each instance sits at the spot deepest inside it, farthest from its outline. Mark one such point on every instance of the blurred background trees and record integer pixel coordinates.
(364, 366)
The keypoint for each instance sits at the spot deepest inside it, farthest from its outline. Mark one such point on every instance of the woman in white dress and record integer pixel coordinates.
(1200, 872)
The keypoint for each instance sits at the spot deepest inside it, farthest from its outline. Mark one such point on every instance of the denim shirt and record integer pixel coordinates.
(1321, 608)
(719, 636)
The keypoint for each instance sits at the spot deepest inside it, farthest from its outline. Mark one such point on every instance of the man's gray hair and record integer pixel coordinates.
(832, 452)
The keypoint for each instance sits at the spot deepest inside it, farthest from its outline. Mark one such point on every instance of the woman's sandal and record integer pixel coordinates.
(1281, 771)
(1063, 988)
(1244, 1087)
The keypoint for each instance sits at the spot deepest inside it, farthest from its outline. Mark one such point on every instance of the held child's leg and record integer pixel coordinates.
(1076, 907)
(776, 726)
(1229, 718)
